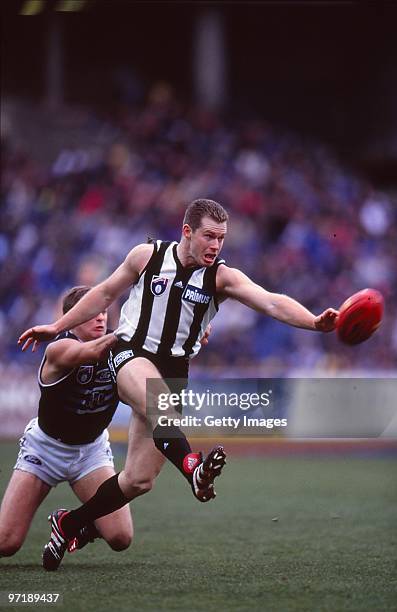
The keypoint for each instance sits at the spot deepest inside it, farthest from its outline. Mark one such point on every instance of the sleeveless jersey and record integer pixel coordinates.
(170, 306)
(80, 405)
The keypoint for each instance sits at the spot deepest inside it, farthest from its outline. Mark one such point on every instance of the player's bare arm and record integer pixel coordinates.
(96, 300)
(66, 354)
(204, 340)
(235, 284)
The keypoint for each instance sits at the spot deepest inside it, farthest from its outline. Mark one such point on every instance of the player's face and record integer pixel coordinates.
(206, 242)
(92, 329)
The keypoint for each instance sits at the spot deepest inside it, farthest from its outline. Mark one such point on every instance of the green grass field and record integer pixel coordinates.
(284, 534)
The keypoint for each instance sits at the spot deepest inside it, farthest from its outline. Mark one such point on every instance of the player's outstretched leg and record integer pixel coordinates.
(206, 472)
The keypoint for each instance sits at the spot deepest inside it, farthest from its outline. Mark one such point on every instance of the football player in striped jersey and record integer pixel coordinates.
(175, 291)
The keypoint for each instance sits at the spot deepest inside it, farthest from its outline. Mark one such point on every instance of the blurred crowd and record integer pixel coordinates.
(300, 224)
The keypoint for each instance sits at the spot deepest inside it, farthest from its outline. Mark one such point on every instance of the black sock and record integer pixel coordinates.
(92, 532)
(108, 498)
(172, 442)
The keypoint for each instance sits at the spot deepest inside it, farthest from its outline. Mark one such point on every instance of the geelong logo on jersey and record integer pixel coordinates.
(158, 285)
(195, 295)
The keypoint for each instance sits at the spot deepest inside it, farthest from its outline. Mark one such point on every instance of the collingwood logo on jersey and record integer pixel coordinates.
(158, 285)
(174, 324)
(195, 295)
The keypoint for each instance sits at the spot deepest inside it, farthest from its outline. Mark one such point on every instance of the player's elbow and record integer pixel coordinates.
(101, 348)
(96, 353)
(102, 354)
(274, 304)
(107, 293)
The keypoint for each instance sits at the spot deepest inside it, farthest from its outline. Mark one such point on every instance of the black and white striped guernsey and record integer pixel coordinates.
(170, 306)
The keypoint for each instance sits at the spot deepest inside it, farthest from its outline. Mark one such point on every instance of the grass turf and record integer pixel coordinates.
(284, 534)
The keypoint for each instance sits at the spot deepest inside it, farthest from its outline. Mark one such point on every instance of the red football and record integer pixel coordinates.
(359, 316)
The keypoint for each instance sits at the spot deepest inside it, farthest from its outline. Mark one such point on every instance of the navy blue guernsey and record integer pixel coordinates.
(78, 407)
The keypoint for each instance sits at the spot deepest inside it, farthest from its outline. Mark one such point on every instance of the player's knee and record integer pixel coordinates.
(146, 485)
(120, 541)
(9, 546)
(138, 486)
(143, 486)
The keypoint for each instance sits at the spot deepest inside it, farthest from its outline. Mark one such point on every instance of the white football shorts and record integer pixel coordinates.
(55, 462)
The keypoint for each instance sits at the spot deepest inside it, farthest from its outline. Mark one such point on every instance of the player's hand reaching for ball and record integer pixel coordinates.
(34, 335)
(204, 339)
(326, 321)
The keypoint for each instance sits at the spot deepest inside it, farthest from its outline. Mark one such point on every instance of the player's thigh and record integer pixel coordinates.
(24, 494)
(132, 384)
(118, 524)
(143, 461)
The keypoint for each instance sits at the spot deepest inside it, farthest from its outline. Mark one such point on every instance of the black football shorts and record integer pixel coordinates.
(174, 370)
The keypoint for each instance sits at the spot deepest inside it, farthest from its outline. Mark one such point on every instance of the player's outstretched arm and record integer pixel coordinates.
(96, 300)
(69, 353)
(234, 284)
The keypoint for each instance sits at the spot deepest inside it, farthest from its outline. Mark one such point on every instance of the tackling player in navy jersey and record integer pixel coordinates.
(68, 441)
(158, 333)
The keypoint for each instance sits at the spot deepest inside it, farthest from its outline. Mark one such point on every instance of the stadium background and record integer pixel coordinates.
(115, 115)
